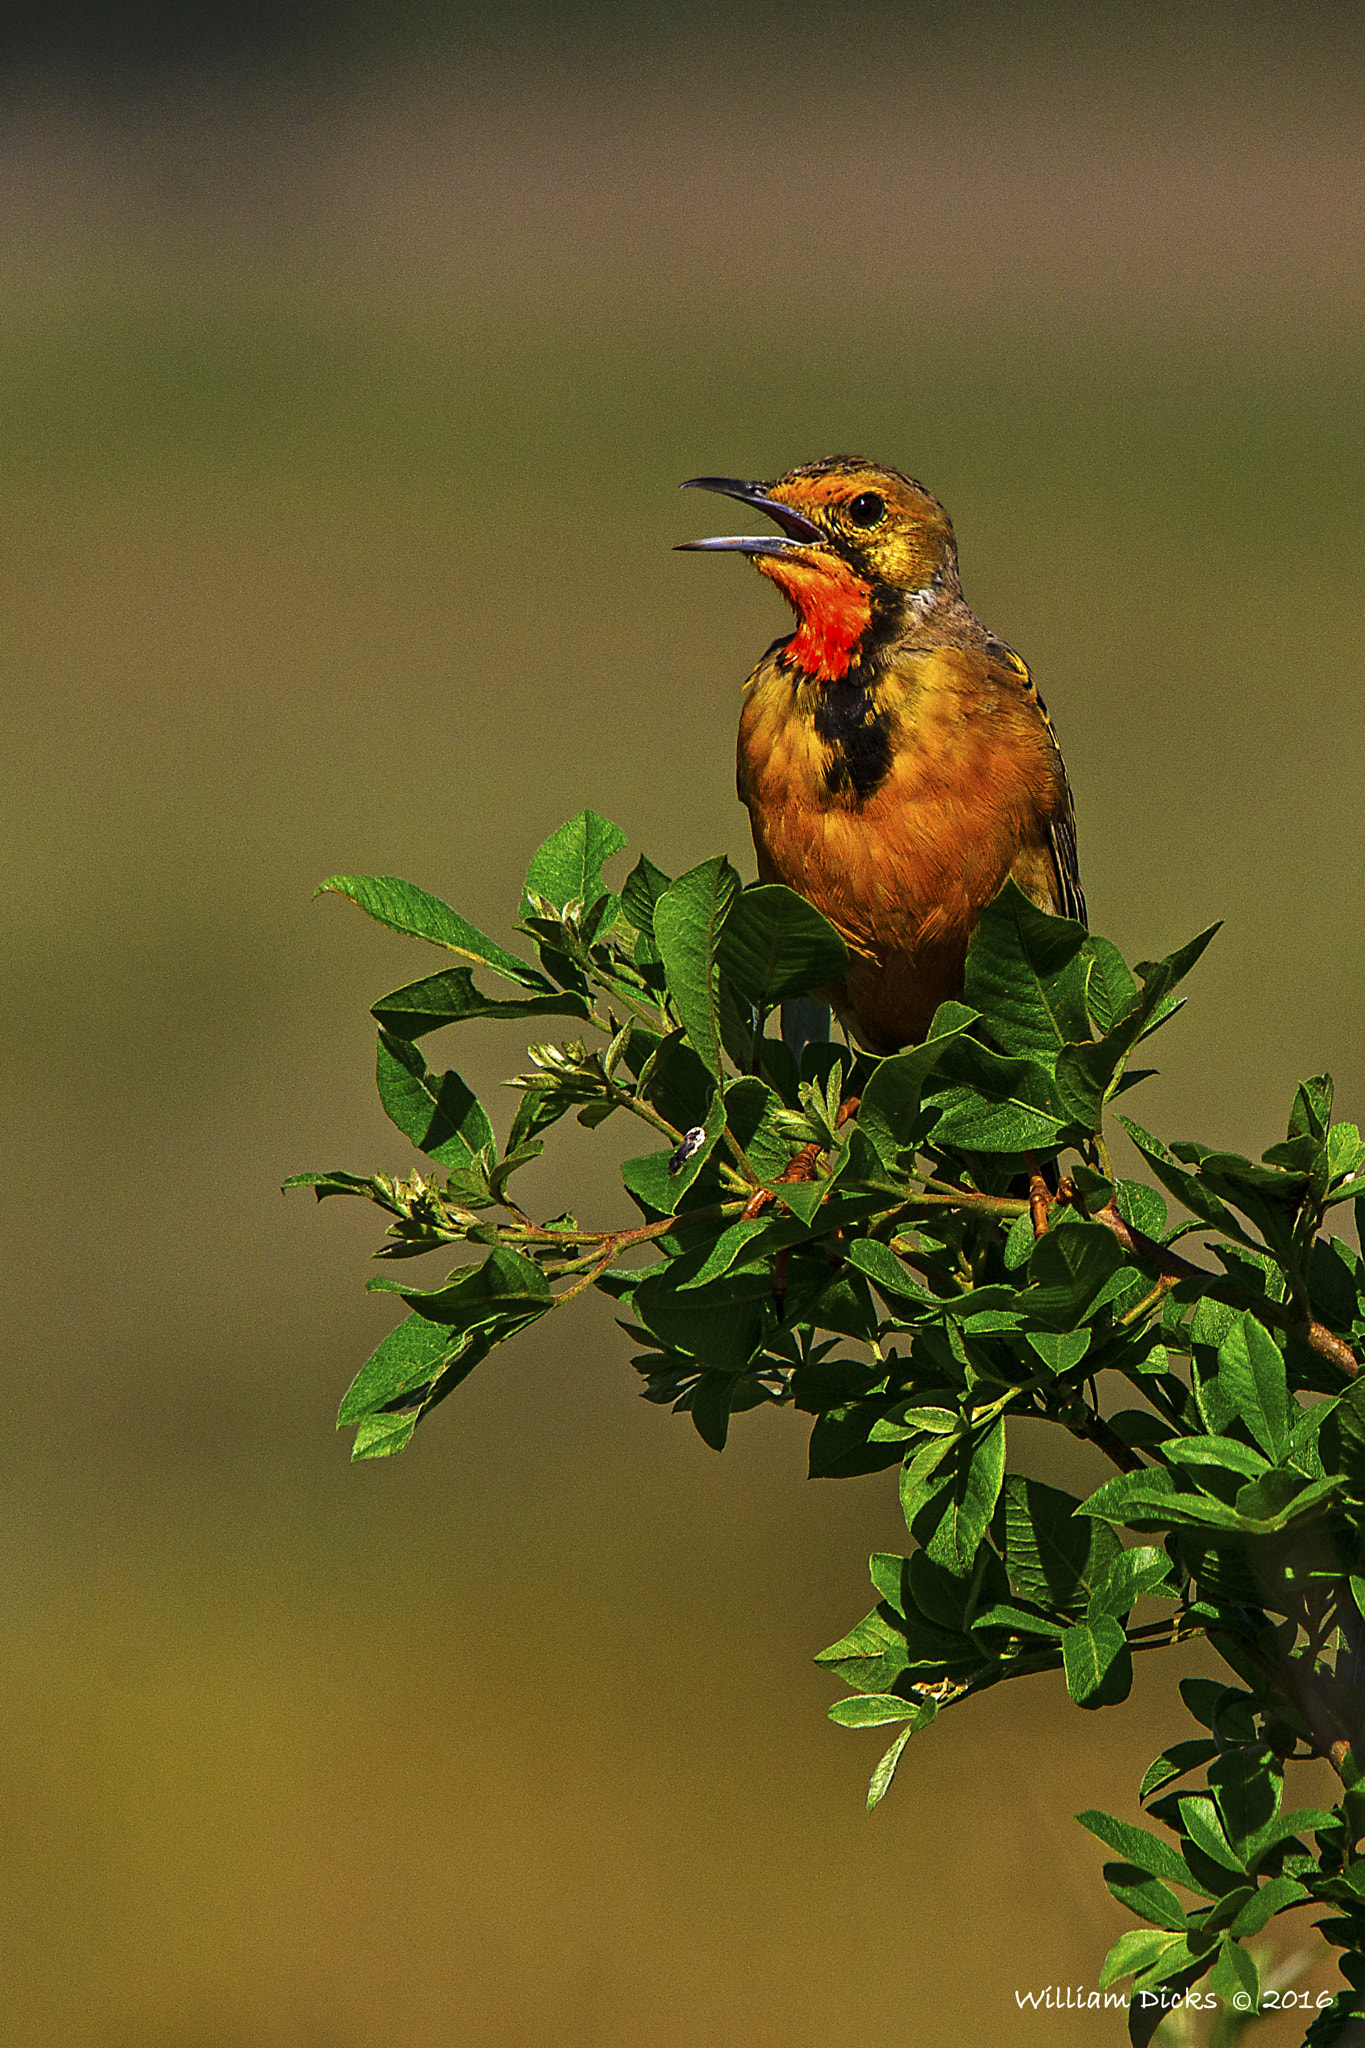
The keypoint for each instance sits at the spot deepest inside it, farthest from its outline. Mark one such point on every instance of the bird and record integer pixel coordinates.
(895, 757)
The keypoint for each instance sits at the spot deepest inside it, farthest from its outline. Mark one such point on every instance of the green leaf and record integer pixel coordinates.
(380, 1436)
(1181, 1961)
(408, 1358)
(880, 1783)
(1133, 1573)
(1272, 1898)
(1110, 991)
(441, 1117)
(1137, 1948)
(1249, 1385)
(1136, 1845)
(451, 998)
(887, 1274)
(873, 1710)
(372, 1186)
(889, 1113)
(1070, 1269)
(755, 1116)
(643, 887)
(1199, 1818)
(1019, 1620)
(1311, 1114)
(688, 919)
(1185, 1186)
(1247, 1785)
(1026, 972)
(1055, 1559)
(951, 1526)
(757, 1237)
(1086, 1073)
(1059, 1351)
(712, 1404)
(1235, 1978)
(405, 908)
(988, 1102)
(1147, 1896)
(505, 1284)
(1174, 1762)
(1141, 1207)
(1225, 1453)
(567, 867)
(721, 1324)
(776, 945)
(871, 1657)
(1098, 1662)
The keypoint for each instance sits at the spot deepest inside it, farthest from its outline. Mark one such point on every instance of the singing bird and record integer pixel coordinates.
(895, 758)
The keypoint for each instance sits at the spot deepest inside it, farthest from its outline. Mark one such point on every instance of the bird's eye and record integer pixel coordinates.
(866, 509)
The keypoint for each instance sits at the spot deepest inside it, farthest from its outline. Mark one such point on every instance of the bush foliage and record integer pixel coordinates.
(912, 1250)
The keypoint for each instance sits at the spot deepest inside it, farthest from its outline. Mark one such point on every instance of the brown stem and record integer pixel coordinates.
(1096, 1430)
(1039, 1195)
(1325, 1726)
(1175, 1269)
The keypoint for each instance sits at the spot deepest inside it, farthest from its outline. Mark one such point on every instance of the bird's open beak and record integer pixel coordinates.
(798, 532)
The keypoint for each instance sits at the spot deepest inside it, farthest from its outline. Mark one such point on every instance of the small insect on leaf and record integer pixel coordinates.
(692, 1143)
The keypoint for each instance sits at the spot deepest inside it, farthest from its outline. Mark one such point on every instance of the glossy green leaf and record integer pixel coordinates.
(438, 1113)
(1098, 1663)
(775, 945)
(643, 887)
(1071, 1268)
(985, 1101)
(405, 908)
(1234, 1977)
(452, 998)
(1136, 1949)
(1174, 1762)
(567, 867)
(1133, 1574)
(1146, 1896)
(1250, 1385)
(1027, 972)
(951, 1526)
(1135, 1845)
(688, 919)
(1056, 1558)
(408, 1358)
(1274, 1897)
(890, 1111)
(1200, 1820)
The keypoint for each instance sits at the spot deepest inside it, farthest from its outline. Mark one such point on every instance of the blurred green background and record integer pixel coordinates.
(349, 361)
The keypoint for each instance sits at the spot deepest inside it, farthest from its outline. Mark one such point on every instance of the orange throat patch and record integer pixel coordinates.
(833, 609)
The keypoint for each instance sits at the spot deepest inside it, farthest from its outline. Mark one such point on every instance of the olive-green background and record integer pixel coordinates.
(342, 405)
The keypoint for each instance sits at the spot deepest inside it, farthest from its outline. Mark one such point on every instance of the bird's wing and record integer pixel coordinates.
(1061, 835)
(1062, 841)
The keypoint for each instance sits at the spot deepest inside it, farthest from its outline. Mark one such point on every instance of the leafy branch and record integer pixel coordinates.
(916, 1252)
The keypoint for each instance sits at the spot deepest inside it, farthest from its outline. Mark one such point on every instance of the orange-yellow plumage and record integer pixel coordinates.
(895, 759)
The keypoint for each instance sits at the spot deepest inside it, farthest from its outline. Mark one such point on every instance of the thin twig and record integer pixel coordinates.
(1175, 1269)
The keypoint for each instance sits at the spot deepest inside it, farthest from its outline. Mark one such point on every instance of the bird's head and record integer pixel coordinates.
(861, 549)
